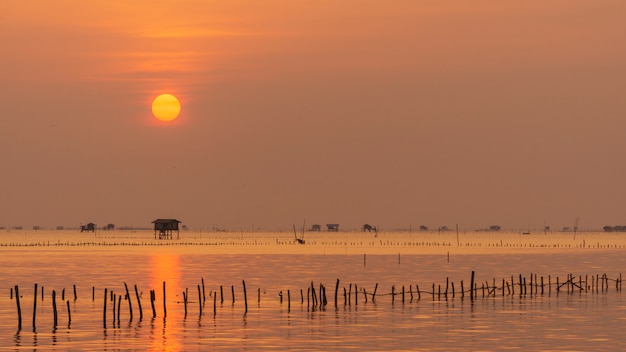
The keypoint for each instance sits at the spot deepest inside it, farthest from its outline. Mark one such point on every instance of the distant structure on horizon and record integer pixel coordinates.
(369, 228)
(165, 228)
(90, 227)
(316, 228)
(332, 227)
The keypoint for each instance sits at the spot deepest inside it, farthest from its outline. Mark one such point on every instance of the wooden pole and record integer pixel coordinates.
(130, 304)
(69, 314)
(35, 308)
(245, 295)
(19, 309)
(164, 306)
(119, 308)
(104, 315)
(203, 294)
(75, 292)
(200, 299)
(374, 295)
(138, 303)
(152, 299)
(336, 291)
(472, 286)
(54, 307)
(185, 302)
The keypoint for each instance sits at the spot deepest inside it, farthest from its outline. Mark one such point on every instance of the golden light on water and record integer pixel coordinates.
(164, 268)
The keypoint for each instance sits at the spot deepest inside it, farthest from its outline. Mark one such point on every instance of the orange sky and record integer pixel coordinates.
(397, 113)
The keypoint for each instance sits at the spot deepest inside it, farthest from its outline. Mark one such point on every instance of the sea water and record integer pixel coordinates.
(277, 312)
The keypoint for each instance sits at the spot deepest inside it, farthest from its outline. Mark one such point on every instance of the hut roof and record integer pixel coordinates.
(164, 221)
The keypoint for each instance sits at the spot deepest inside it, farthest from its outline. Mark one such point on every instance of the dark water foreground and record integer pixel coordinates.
(572, 320)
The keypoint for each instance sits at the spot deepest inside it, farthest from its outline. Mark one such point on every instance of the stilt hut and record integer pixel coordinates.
(90, 227)
(332, 227)
(165, 228)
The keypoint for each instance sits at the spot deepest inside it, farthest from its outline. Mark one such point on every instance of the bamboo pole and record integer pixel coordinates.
(69, 314)
(164, 305)
(104, 315)
(138, 303)
(472, 286)
(152, 299)
(19, 308)
(35, 308)
(54, 307)
(245, 295)
(200, 300)
(130, 304)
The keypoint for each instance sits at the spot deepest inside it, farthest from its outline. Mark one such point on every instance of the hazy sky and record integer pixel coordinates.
(395, 113)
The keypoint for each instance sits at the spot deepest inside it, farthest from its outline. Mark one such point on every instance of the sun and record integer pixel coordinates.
(166, 107)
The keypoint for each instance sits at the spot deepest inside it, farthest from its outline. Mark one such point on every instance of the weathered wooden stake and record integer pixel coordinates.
(203, 294)
(69, 314)
(104, 315)
(164, 306)
(54, 307)
(130, 304)
(472, 286)
(374, 295)
(245, 295)
(75, 292)
(35, 308)
(152, 299)
(214, 305)
(19, 309)
(200, 300)
(139, 303)
(119, 308)
(185, 302)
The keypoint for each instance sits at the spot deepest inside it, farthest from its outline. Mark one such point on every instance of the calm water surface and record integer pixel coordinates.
(580, 321)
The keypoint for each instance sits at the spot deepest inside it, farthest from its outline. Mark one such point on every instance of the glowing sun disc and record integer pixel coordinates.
(166, 107)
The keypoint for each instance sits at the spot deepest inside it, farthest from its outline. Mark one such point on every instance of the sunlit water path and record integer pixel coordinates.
(271, 263)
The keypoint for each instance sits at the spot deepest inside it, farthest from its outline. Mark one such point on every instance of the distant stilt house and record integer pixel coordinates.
(332, 227)
(369, 228)
(90, 227)
(316, 228)
(110, 227)
(165, 228)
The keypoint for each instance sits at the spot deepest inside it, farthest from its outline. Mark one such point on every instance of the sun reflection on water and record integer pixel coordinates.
(165, 276)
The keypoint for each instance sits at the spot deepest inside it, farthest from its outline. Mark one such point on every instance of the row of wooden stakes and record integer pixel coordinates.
(317, 298)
